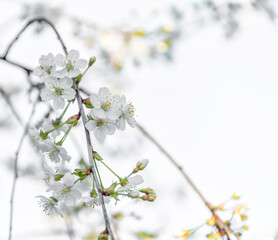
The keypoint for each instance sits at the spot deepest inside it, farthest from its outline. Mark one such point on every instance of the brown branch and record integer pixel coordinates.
(16, 165)
(92, 166)
(218, 222)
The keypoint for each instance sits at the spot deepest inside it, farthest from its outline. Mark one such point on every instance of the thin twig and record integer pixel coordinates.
(26, 69)
(16, 165)
(39, 20)
(9, 103)
(218, 222)
(92, 166)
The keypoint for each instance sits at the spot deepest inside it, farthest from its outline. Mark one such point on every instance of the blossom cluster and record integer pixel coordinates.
(69, 187)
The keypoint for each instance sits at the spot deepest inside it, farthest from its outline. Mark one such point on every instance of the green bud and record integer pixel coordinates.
(142, 164)
(147, 191)
(73, 119)
(92, 61)
(87, 103)
(81, 173)
(124, 182)
(96, 156)
(43, 135)
(54, 199)
(57, 177)
(93, 193)
(111, 189)
(78, 78)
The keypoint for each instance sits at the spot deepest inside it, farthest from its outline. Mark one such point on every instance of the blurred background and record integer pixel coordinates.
(202, 76)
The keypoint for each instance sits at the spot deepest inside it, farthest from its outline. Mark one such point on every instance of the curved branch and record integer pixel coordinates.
(39, 20)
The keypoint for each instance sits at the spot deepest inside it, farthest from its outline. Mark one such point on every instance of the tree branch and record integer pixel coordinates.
(39, 20)
(9, 103)
(92, 166)
(16, 165)
(219, 223)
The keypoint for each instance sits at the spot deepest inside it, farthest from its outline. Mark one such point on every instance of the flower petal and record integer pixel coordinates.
(58, 102)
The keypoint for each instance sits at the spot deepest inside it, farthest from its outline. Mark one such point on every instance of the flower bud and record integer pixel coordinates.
(103, 235)
(87, 103)
(92, 61)
(96, 156)
(124, 182)
(57, 177)
(149, 197)
(93, 193)
(141, 165)
(78, 78)
(73, 119)
(147, 191)
(111, 189)
(43, 135)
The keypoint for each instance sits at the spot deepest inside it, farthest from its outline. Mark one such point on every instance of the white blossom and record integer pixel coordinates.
(49, 206)
(101, 127)
(71, 64)
(91, 201)
(58, 90)
(65, 190)
(35, 136)
(127, 115)
(105, 104)
(49, 174)
(46, 68)
(54, 152)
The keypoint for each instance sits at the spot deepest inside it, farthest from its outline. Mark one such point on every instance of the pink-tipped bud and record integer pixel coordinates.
(73, 120)
(87, 103)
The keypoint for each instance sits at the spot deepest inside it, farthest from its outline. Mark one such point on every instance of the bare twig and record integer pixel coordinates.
(9, 103)
(16, 165)
(92, 166)
(26, 69)
(218, 222)
(39, 20)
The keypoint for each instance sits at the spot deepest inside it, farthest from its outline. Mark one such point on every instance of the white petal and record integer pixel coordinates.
(100, 134)
(80, 63)
(50, 82)
(73, 55)
(121, 124)
(38, 71)
(65, 82)
(100, 113)
(46, 94)
(95, 101)
(61, 73)
(69, 94)
(58, 102)
(74, 73)
(136, 180)
(131, 121)
(60, 60)
(50, 59)
(103, 94)
(91, 125)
